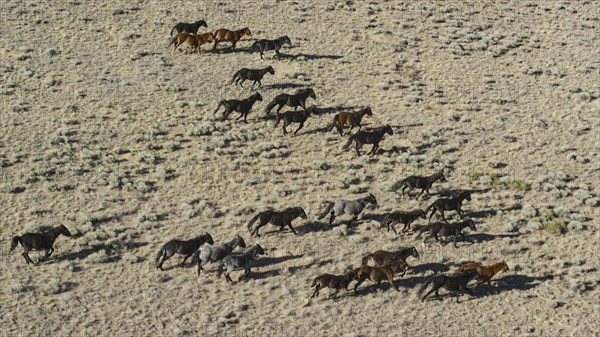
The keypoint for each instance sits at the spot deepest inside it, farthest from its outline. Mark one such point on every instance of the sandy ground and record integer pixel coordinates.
(107, 132)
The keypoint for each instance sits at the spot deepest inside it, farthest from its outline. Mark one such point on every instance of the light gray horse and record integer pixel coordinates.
(236, 261)
(208, 254)
(353, 207)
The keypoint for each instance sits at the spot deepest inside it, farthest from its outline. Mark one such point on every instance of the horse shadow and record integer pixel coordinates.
(511, 282)
(267, 261)
(427, 267)
(336, 109)
(312, 226)
(286, 85)
(483, 237)
(310, 56)
(374, 217)
(230, 50)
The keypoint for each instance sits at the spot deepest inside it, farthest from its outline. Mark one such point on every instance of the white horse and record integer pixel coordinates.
(353, 207)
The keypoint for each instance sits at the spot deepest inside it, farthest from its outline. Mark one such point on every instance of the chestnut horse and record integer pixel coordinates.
(349, 118)
(193, 40)
(485, 272)
(229, 35)
(376, 274)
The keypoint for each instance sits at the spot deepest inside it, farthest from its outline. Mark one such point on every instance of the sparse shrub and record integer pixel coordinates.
(555, 226)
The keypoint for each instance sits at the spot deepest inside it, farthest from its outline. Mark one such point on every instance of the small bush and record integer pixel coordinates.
(555, 226)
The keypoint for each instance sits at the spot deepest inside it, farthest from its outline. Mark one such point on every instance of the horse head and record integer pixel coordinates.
(201, 23)
(441, 176)
(414, 253)
(312, 93)
(240, 241)
(64, 230)
(257, 97)
(246, 31)
(271, 70)
(302, 213)
(209, 238)
(286, 39)
(372, 199)
(504, 267)
(422, 214)
(388, 130)
(471, 224)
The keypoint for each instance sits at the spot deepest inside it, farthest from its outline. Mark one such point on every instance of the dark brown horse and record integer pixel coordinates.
(445, 229)
(186, 248)
(192, 28)
(255, 75)
(39, 241)
(382, 257)
(454, 283)
(369, 137)
(291, 116)
(409, 183)
(449, 204)
(336, 282)
(405, 218)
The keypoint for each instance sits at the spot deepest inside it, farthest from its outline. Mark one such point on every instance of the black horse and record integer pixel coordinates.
(255, 75)
(369, 137)
(294, 100)
(186, 248)
(266, 45)
(184, 27)
(455, 283)
(39, 241)
(242, 106)
(290, 117)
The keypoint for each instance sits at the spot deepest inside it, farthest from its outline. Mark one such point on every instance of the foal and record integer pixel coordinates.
(349, 118)
(449, 204)
(290, 117)
(228, 35)
(454, 283)
(191, 28)
(276, 218)
(342, 206)
(294, 100)
(186, 248)
(424, 183)
(193, 40)
(266, 45)
(39, 241)
(336, 282)
(446, 229)
(242, 106)
(405, 218)
(369, 137)
(376, 274)
(485, 272)
(255, 75)
(382, 257)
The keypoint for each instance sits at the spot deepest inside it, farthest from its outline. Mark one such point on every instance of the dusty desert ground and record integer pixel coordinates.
(107, 132)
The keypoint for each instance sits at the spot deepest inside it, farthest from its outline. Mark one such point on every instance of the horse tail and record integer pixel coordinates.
(424, 286)
(255, 46)
(350, 140)
(196, 257)
(160, 253)
(221, 102)
(236, 75)
(422, 230)
(270, 106)
(335, 121)
(15, 241)
(326, 211)
(173, 40)
(172, 31)
(251, 222)
(279, 117)
(314, 282)
(366, 258)
(429, 208)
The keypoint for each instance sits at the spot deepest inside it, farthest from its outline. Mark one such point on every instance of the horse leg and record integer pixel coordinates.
(357, 147)
(289, 224)
(460, 213)
(46, 256)
(359, 282)
(300, 127)
(420, 194)
(215, 45)
(393, 228)
(246, 273)
(259, 84)
(246, 116)
(443, 217)
(334, 294)
(455, 240)
(228, 278)
(233, 43)
(331, 218)
(316, 293)
(184, 259)
(406, 227)
(284, 129)
(26, 256)
(428, 293)
(352, 219)
(255, 231)
(432, 213)
(390, 278)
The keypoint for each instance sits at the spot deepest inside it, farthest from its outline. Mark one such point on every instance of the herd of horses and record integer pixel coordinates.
(235, 255)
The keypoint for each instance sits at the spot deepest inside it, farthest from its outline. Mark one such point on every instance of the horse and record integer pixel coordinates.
(382, 257)
(454, 283)
(485, 272)
(422, 182)
(255, 75)
(39, 241)
(446, 229)
(369, 137)
(332, 281)
(186, 248)
(211, 253)
(449, 204)
(293, 100)
(349, 118)
(341, 206)
(266, 45)
(228, 35)
(242, 106)
(193, 40)
(377, 274)
(405, 218)
(244, 260)
(276, 218)
(291, 116)
(192, 28)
